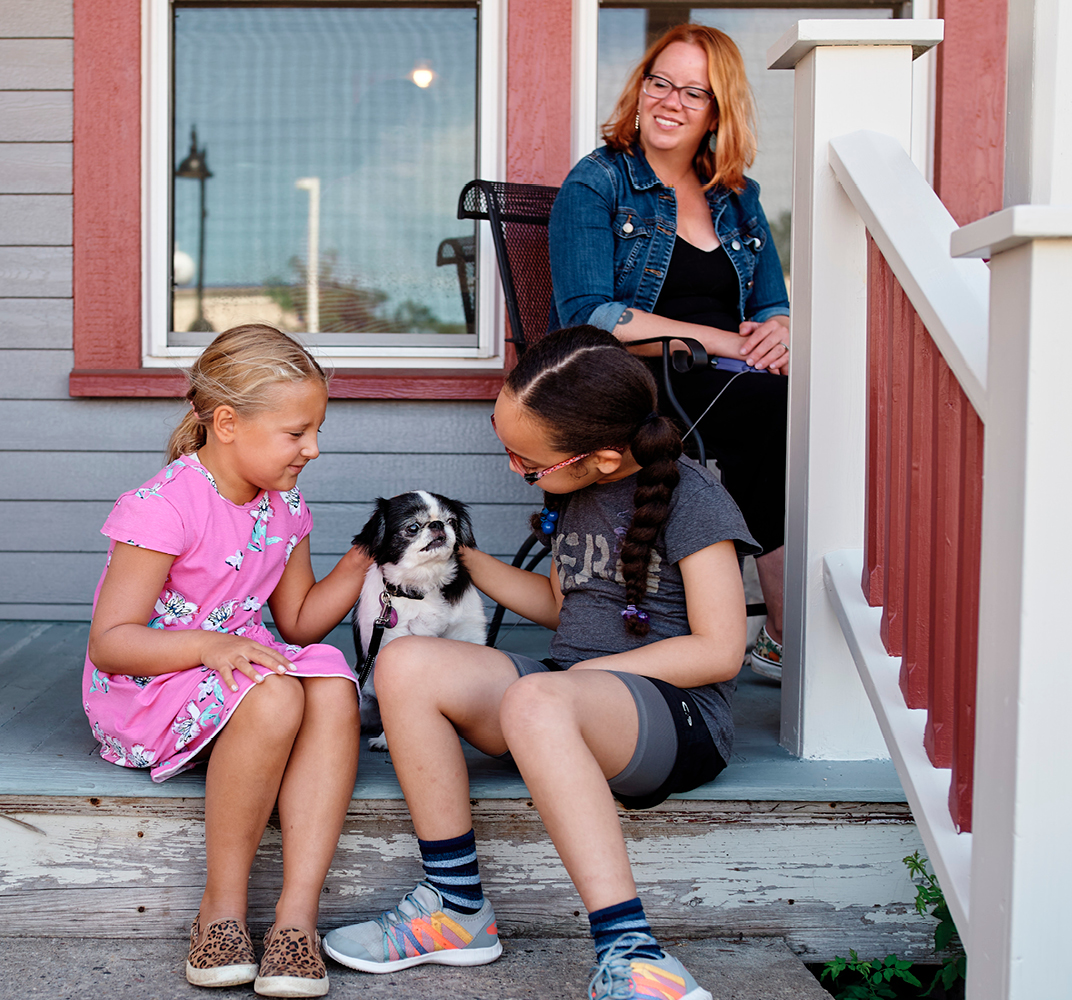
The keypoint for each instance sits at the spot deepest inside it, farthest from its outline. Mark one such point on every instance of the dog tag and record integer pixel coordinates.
(388, 615)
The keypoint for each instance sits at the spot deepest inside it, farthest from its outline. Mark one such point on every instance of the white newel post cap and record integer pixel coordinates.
(1009, 228)
(804, 36)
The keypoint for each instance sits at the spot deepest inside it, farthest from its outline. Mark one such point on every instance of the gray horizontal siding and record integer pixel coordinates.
(43, 324)
(59, 475)
(36, 374)
(35, 219)
(65, 460)
(67, 578)
(36, 19)
(35, 168)
(45, 612)
(36, 63)
(36, 115)
(68, 525)
(367, 427)
(73, 526)
(35, 272)
(32, 581)
(36, 77)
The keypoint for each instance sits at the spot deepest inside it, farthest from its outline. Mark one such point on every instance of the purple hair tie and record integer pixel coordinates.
(632, 611)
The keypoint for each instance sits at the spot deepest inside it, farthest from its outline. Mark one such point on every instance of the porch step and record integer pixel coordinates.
(547, 968)
(807, 851)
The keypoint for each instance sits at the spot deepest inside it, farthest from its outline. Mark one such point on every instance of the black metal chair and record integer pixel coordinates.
(519, 215)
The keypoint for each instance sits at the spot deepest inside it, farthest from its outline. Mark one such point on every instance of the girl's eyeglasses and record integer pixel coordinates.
(532, 478)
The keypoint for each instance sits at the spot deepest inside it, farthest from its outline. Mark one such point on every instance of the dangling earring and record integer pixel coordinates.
(712, 141)
(638, 120)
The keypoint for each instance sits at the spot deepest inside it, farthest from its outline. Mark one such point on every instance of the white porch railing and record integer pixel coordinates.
(1008, 882)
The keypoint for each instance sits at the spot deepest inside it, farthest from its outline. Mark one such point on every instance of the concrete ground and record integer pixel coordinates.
(550, 969)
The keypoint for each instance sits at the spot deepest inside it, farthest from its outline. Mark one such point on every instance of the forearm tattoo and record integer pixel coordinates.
(626, 317)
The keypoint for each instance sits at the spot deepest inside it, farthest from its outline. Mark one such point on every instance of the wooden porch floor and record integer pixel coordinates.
(805, 850)
(46, 747)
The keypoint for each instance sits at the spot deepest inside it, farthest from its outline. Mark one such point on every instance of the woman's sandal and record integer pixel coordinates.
(292, 965)
(766, 656)
(223, 956)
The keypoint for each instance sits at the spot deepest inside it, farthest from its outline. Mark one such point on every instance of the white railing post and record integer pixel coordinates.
(850, 75)
(1038, 141)
(1022, 812)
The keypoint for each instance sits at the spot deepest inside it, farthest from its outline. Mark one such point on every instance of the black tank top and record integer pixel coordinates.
(700, 287)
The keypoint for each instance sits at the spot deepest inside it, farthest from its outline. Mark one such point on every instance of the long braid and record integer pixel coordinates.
(656, 446)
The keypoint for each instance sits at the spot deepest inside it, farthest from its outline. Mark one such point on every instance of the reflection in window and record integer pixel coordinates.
(625, 34)
(350, 130)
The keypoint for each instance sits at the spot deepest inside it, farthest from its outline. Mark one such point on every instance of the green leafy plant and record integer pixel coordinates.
(874, 979)
(930, 898)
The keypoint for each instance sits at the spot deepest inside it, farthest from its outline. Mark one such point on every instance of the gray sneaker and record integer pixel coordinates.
(420, 929)
(623, 975)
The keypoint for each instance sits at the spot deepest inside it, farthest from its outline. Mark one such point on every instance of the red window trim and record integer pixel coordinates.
(107, 198)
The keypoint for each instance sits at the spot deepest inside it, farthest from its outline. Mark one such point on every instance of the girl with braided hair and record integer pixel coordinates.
(646, 599)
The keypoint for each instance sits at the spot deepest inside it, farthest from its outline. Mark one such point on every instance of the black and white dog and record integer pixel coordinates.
(416, 585)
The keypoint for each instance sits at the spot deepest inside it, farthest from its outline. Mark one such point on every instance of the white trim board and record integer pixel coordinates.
(912, 229)
(926, 787)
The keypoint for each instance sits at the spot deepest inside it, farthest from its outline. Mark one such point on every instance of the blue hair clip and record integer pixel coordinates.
(632, 611)
(547, 521)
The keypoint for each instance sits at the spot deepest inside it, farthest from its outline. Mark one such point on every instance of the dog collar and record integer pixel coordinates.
(395, 591)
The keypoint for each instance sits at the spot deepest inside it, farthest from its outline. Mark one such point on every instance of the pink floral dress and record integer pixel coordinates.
(228, 560)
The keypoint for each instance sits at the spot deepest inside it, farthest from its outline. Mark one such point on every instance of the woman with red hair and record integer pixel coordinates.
(660, 233)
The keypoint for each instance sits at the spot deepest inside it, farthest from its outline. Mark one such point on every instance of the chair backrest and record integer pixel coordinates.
(519, 215)
(460, 251)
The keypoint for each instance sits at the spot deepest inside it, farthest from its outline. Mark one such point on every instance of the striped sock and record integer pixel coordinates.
(452, 868)
(612, 922)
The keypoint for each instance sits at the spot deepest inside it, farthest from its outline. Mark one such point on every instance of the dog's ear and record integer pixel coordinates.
(465, 534)
(372, 534)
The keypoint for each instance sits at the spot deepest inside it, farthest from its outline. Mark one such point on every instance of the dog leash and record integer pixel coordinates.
(388, 619)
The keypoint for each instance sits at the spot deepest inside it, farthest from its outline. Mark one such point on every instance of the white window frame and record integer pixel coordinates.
(158, 162)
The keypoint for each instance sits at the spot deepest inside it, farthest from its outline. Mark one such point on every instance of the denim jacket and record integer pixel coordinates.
(612, 233)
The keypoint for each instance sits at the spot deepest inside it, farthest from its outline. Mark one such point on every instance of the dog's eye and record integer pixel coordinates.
(413, 528)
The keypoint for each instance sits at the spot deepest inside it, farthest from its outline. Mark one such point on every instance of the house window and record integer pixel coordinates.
(306, 163)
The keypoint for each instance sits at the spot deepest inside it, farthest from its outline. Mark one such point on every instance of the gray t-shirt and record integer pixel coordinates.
(585, 549)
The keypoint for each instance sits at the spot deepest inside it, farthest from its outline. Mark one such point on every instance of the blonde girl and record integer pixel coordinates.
(180, 667)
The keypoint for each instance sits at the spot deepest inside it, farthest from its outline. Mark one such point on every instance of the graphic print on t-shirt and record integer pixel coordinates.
(596, 558)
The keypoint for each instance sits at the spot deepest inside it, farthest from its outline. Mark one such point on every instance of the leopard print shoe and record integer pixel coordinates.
(292, 966)
(223, 956)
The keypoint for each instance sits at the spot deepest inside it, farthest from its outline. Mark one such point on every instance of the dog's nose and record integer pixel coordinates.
(437, 528)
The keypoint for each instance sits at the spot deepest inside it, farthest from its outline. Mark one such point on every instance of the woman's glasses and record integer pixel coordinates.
(532, 478)
(693, 98)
